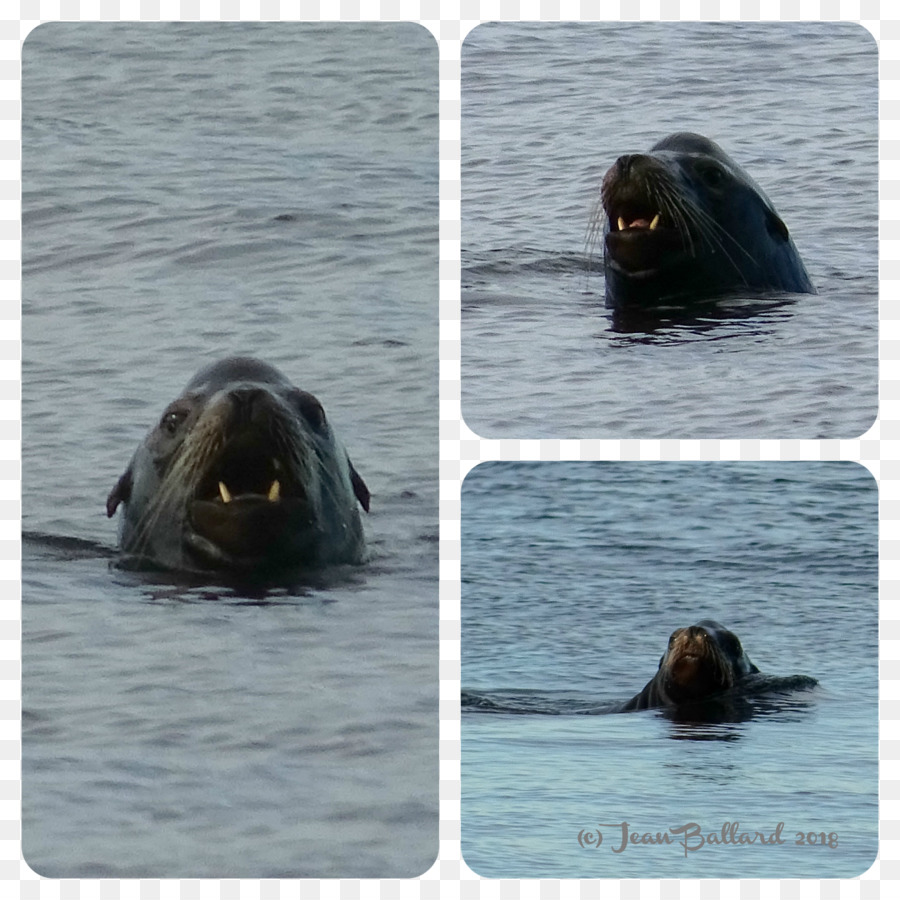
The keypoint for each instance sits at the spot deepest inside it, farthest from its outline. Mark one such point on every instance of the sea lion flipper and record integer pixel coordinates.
(121, 493)
(359, 488)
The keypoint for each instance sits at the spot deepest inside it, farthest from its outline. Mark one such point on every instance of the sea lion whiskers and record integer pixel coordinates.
(595, 229)
(333, 491)
(675, 213)
(303, 462)
(709, 230)
(684, 211)
(179, 482)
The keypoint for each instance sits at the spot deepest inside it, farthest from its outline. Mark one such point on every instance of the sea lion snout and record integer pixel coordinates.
(623, 165)
(697, 633)
(628, 194)
(249, 404)
(692, 639)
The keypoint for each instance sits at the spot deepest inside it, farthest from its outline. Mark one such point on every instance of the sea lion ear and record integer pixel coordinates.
(359, 488)
(121, 493)
(776, 227)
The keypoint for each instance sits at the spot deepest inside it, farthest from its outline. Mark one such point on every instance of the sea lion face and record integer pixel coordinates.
(701, 660)
(685, 221)
(243, 473)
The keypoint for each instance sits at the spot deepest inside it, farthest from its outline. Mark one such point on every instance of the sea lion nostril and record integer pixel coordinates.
(247, 403)
(624, 164)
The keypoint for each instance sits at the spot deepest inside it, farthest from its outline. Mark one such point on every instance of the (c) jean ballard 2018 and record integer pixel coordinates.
(690, 836)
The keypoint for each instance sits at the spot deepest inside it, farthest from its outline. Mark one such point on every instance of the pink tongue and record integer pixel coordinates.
(640, 223)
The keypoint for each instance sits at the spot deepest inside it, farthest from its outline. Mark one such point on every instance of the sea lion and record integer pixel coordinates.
(704, 676)
(700, 661)
(685, 222)
(242, 473)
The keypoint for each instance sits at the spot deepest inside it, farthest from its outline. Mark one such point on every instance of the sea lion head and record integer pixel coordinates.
(242, 472)
(686, 221)
(701, 660)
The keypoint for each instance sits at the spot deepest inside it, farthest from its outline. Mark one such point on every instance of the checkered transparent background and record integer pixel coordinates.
(460, 449)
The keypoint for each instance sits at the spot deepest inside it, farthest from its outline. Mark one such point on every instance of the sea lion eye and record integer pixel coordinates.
(172, 420)
(712, 174)
(310, 408)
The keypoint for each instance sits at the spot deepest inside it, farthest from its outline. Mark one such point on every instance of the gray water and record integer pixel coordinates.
(546, 110)
(573, 577)
(193, 191)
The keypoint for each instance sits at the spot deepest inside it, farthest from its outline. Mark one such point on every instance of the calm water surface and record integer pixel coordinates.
(546, 110)
(575, 574)
(192, 191)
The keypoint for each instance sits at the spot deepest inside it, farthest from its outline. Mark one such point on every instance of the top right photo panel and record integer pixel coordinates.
(669, 230)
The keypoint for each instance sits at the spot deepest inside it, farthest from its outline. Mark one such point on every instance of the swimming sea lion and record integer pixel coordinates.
(685, 222)
(242, 473)
(701, 661)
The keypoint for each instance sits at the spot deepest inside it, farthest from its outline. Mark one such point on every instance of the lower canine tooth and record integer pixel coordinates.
(655, 222)
(621, 224)
(224, 493)
(275, 491)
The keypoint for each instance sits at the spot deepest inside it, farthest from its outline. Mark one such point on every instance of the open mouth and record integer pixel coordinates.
(686, 664)
(247, 503)
(633, 219)
(640, 241)
(246, 471)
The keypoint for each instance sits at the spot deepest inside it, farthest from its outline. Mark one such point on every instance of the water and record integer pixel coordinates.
(546, 110)
(575, 574)
(192, 191)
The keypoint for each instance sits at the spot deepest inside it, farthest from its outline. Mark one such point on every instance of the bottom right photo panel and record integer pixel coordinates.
(669, 670)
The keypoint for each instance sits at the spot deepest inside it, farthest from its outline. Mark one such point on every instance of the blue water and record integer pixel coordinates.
(192, 191)
(546, 110)
(575, 574)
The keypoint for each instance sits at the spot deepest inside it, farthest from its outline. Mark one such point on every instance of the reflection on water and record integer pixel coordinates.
(705, 320)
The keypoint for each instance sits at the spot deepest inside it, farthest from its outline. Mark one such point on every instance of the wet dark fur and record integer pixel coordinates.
(717, 233)
(240, 423)
(701, 661)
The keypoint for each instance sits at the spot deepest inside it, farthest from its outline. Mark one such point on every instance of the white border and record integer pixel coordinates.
(879, 449)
